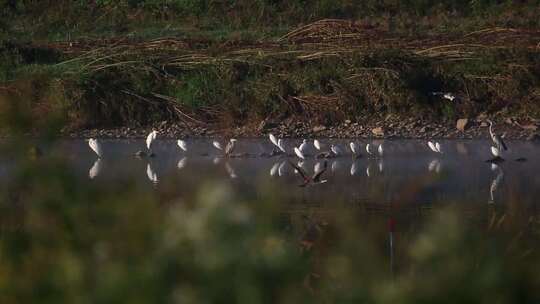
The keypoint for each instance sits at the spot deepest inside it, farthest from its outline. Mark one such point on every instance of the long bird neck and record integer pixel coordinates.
(491, 129)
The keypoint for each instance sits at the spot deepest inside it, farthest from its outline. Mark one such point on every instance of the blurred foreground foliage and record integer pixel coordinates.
(67, 240)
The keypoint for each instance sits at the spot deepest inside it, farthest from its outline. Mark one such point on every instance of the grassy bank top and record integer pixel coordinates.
(66, 19)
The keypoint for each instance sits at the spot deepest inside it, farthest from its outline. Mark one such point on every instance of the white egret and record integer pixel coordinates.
(368, 149)
(181, 163)
(445, 95)
(95, 169)
(230, 146)
(336, 150)
(182, 144)
(497, 140)
(303, 146)
(274, 169)
(151, 174)
(273, 139)
(317, 144)
(217, 145)
(95, 145)
(310, 180)
(299, 153)
(495, 151)
(281, 145)
(438, 147)
(150, 140)
(354, 148)
(317, 167)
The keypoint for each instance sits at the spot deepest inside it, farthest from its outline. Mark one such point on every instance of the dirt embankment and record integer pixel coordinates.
(331, 78)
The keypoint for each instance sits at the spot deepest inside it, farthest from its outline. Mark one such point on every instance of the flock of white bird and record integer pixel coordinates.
(301, 151)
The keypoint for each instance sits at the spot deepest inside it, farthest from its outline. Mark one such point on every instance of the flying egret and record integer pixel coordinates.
(336, 150)
(230, 146)
(303, 146)
(497, 140)
(95, 146)
(182, 144)
(317, 144)
(310, 180)
(445, 95)
(95, 169)
(299, 153)
(151, 174)
(149, 140)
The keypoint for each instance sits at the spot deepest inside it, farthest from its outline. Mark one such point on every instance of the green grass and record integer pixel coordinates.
(392, 71)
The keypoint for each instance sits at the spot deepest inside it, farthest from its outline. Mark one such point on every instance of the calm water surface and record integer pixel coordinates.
(408, 171)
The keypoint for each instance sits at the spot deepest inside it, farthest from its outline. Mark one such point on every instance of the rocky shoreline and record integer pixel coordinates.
(389, 127)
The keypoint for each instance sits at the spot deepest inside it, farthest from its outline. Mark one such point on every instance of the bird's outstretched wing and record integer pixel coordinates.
(317, 176)
(300, 171)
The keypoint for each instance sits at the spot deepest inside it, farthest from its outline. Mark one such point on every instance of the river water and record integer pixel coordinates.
(407, 171)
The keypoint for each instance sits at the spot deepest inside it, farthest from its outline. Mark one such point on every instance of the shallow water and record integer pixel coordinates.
(408, 170)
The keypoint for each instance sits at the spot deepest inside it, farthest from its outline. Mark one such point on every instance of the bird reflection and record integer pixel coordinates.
(152, 176)
(368, 170)
(354, 168)
(495, 183)
(95, 169)
(182, 163)
(281, 168)
(380, 164)
(274, 169)
(335, 165)
(230, 170)
(435, 166)
(216, 160)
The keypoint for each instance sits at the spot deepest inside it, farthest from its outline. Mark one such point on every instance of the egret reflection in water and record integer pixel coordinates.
(181, 163)
(496, 182)
(354, 168)
(435, 166)
(151, 174)
(95, 169)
